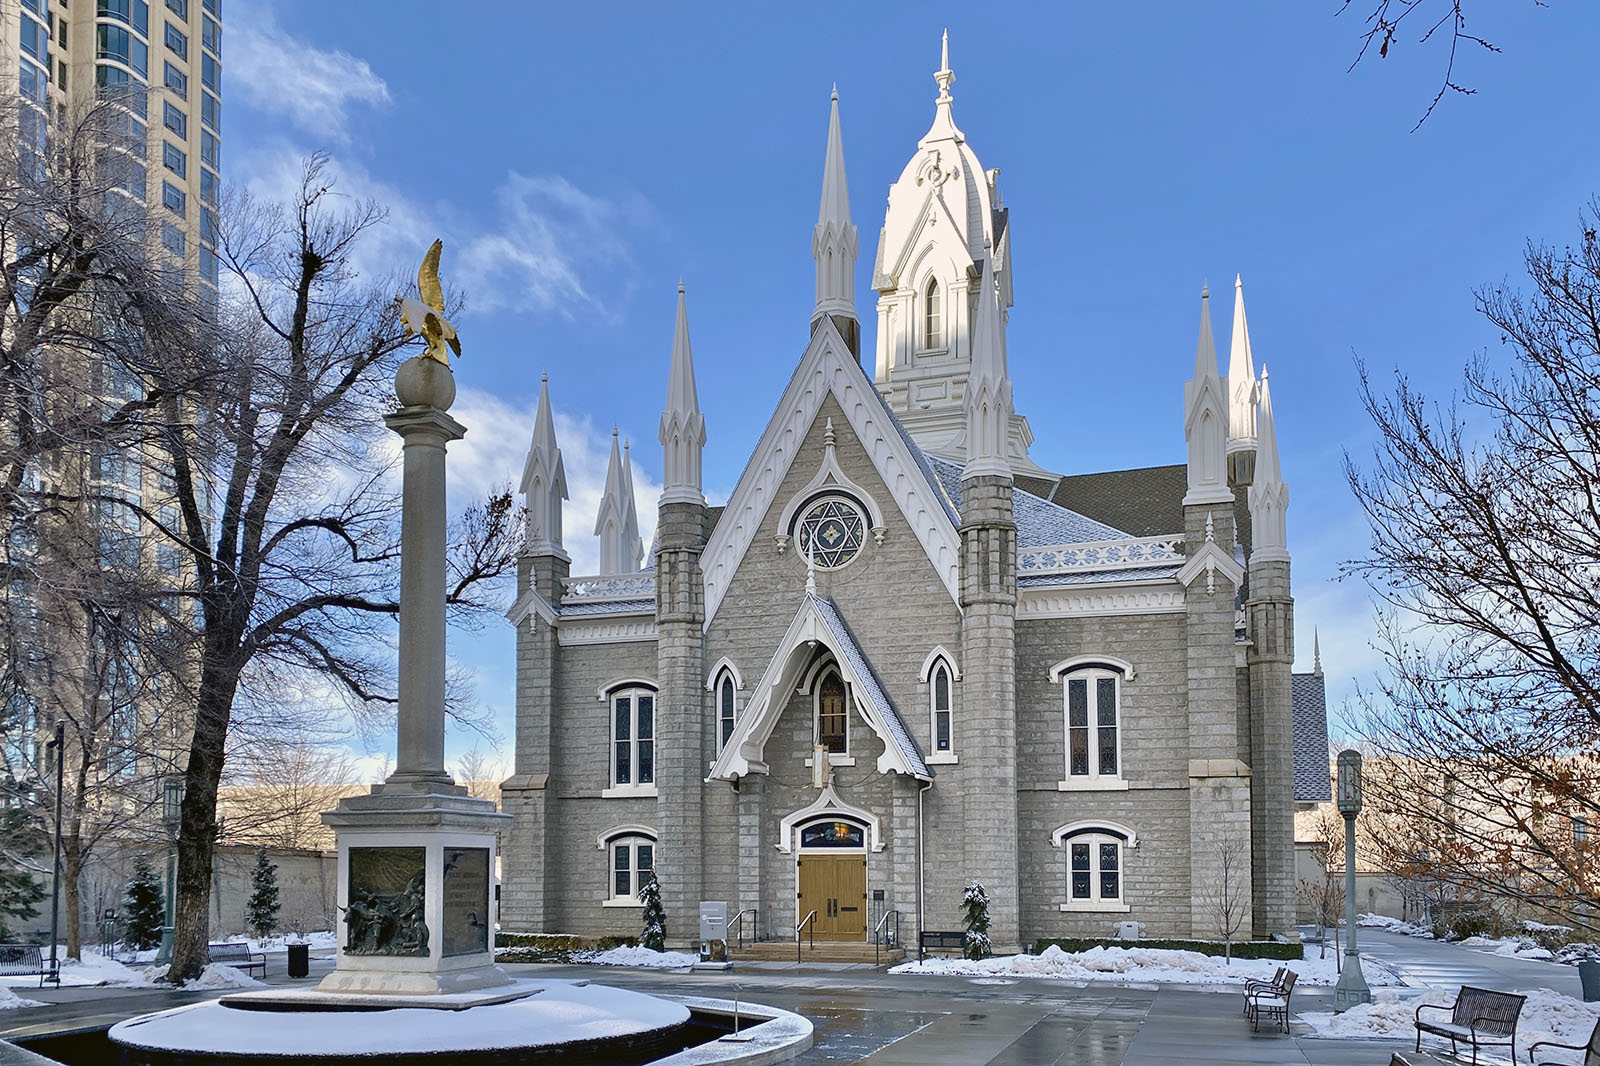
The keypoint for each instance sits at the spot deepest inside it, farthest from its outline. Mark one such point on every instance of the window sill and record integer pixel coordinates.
(1096, 906)
(835, 759)
(634, 903)
(1093, 784)
(629, 792)
(942, 758)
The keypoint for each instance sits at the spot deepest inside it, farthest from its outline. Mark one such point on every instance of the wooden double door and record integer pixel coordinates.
(835, 886)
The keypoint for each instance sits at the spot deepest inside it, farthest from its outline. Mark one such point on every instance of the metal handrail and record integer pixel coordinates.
(812, 936)
(739, 920)
(878, 931)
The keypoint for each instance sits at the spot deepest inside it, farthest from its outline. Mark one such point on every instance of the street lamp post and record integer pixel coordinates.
(59, 744)
(171, 814)
(1352, 987)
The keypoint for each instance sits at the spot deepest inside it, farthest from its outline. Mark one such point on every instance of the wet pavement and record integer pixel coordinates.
(868, 1016)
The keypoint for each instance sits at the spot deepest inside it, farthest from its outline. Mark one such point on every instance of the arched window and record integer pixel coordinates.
(831, 718)
(1096, 875)
(932, 330)
(633, 737)
(939, 708)
(1092, 698)
(726, 703)
(630, 857)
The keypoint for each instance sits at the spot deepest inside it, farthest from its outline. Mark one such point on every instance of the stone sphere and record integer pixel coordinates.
(424, 382)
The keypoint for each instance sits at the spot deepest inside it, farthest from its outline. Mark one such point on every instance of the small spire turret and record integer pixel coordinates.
(989, 406)
(834, 242)
(1242, 394)
(544, 481)
(1269, 495)
(618, 553)
(1206, 420)
(683, 429)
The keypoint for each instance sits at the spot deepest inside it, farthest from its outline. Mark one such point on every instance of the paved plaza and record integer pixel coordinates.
(865, 1015)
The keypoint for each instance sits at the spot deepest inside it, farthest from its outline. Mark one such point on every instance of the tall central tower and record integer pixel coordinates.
(945, 218)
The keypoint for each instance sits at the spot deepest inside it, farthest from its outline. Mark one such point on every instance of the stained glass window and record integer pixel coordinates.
(633, 737)
(1093, 721)
(831, 715)
(1094, 869)
(831, 532)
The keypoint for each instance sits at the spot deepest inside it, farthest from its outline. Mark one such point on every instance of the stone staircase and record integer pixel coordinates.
(837, 951)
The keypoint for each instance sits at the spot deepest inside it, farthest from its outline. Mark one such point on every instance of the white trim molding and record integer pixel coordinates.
(722, 664)
(611, 686)
(1093, 825)
(826, 803)
(1098, 601)
(627, 829)
(1083, 662)
(934, 656)
(581, 630)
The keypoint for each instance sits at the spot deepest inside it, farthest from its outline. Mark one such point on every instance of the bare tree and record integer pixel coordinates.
(1485, 519)
(1228, 898)
(481, 773)
(287, 509)
(1323, 894)
(275, 788)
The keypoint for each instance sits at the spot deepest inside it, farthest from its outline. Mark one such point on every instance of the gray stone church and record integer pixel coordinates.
(904, 655)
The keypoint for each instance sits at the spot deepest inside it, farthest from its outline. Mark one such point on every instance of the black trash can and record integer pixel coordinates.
(1589, 974)
(299, 960)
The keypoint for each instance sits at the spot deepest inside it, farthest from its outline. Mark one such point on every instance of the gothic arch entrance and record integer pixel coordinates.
(831, 877)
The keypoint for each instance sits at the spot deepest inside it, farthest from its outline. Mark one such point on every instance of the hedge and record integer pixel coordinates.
(1242, 949)
(553, 947)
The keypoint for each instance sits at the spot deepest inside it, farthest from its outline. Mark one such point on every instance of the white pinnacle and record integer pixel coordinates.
(1269, 496)
(1205, 425)
(683, 429)
(988, 386)
(1241, 376)
(611, 524)
(834, 243)
(544, 480)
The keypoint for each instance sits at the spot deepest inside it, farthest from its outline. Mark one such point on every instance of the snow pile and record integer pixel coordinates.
(1510, 947)
(9, 1000)
(1391, 1015)
(1394, 925)
(95, 969)
(218, 976)
(320, 940)
(1153, 965)
(639, 956)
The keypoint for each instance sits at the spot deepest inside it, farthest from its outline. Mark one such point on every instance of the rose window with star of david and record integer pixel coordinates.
(830, 532)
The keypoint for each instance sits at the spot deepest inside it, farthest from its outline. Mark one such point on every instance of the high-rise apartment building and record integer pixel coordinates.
(164, 57)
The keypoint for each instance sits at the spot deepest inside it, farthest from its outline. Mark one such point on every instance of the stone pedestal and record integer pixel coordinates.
(416, 893)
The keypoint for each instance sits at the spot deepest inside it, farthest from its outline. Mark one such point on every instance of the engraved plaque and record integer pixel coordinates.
(384, 914)
(466, 900)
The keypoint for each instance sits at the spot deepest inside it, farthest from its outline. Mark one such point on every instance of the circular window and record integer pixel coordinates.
(831, 531)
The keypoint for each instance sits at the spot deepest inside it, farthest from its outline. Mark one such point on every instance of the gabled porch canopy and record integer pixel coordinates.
(816, 622)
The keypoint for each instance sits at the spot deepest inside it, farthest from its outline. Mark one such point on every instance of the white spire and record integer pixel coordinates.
(834, 244)
(1206, 420)
(618, 554)
(632, 546)
(944, 75)
(1269, 496)
(1316, 653)
(544, 481)
(1242, 396)
(988, 385)
(944, 121)
(683, 430)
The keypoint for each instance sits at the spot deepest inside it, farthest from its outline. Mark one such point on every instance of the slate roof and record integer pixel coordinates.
(1311, 784)
(901, 736)
(1039, 522)
(578, 610)
(1146, 502)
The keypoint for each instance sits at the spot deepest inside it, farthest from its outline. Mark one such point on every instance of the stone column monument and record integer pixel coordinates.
(417, 855)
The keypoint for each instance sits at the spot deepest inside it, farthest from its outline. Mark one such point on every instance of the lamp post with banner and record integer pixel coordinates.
(1352, 987)
(171, 814)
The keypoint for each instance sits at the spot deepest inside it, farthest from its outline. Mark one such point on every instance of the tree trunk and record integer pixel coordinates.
(71, 903)
(197, 827)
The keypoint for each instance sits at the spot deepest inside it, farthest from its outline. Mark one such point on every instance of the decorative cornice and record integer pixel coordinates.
(1092, 601)
(828, 368)
(826, 803)
(605, 589)
(607, 630)
(1129, 554)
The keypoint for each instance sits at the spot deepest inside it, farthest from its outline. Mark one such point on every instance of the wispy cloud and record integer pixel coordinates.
(496, 443)
(285, 76)
(550, 243)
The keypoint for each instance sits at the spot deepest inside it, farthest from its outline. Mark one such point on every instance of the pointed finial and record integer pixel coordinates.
(1211, 533)
(827, 433)
(1242, 393)
(944, 76)
(836, 90)
(1205, 356)
(1316, 653)
(811, 565)
(683, 428)
(544, 377)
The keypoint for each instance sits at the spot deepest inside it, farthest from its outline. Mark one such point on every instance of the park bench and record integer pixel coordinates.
(1591, 1050)
(939, 940)
(25, 960)
(1479, 1016)
(1252, 985)
(238, 956)
(1273, 1002)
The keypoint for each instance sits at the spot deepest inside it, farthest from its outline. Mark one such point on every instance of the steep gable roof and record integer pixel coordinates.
(1311, 784)
(829, 368)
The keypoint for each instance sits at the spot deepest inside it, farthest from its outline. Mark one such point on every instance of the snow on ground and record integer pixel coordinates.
(9, 1000)
(558, 1012)
(655, 960)
(1394, 925)
(1510, 947)
(1151, 965)
(321, 940)
(1391, 1015)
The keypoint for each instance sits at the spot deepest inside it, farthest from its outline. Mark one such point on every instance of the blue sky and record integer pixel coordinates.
(577, 165)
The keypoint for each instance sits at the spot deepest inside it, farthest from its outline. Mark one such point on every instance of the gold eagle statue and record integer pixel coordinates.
(425, 317)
